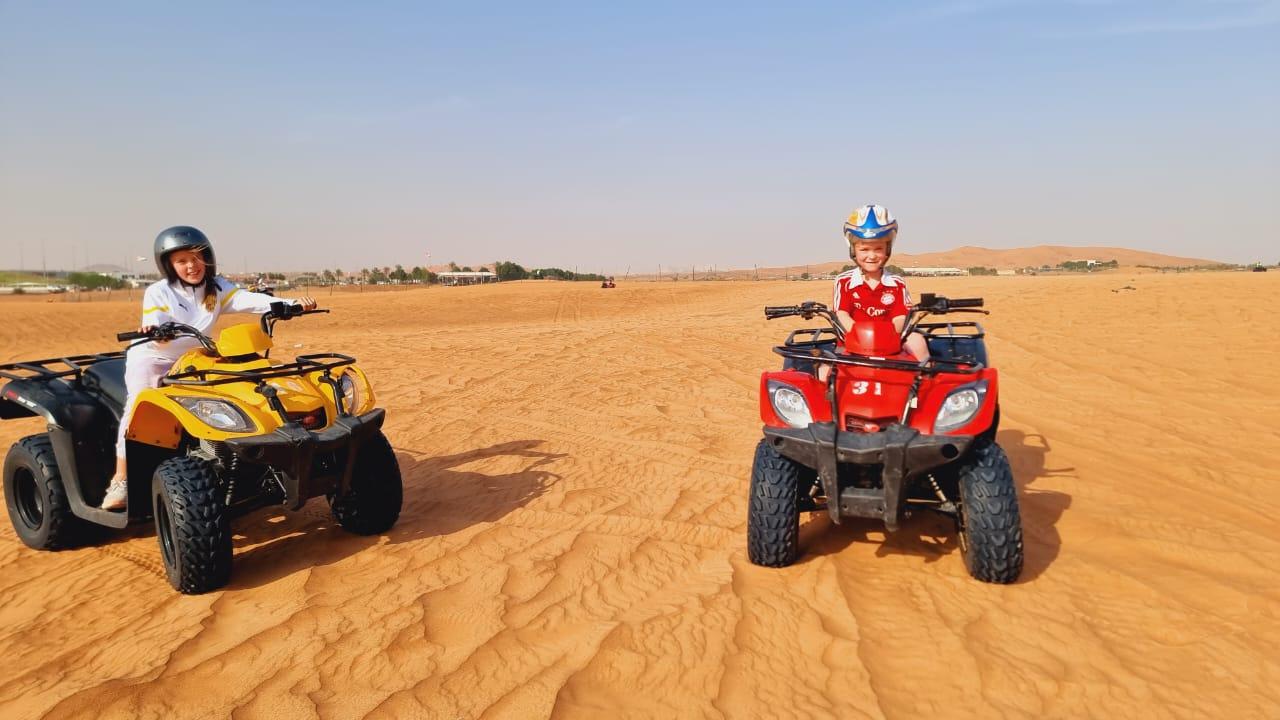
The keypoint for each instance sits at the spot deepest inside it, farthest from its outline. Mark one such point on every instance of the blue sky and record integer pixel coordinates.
(607, 137)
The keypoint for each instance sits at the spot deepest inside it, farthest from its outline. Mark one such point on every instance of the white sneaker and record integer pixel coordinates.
(117, 497)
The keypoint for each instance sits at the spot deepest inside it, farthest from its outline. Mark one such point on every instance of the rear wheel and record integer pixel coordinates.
(34, 493)
(990, 523)
(191, 525)
(773, 512)
(372, 504)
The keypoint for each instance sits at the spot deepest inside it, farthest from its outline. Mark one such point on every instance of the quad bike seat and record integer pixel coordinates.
(107, 378)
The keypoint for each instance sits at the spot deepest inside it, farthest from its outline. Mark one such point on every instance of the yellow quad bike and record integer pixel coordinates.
(228, 431)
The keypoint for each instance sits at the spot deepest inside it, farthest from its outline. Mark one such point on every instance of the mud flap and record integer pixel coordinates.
(828, 466)
(893, 475)
(360, 427)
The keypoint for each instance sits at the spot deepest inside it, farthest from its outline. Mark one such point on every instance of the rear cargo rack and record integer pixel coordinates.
(301, 365)
(48, 369)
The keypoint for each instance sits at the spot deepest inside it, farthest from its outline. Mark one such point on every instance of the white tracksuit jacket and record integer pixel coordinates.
(165, 302)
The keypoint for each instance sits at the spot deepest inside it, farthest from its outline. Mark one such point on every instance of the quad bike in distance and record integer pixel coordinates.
(885, 435)
(228, 431)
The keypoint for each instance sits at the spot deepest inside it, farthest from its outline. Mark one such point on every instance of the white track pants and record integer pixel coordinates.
(140, 372)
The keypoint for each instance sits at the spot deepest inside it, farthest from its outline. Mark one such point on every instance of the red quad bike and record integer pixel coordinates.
(885, 435)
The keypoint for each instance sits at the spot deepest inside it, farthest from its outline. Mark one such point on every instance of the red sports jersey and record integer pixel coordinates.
(888, 300)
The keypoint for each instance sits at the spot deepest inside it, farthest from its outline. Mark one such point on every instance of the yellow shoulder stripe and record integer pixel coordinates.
(227, 299)
(153, 308)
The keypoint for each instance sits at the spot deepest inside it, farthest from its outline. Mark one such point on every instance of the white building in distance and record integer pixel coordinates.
(466, 278)
(932, 271)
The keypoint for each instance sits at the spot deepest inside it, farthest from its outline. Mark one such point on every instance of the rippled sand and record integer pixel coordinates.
(573, 537)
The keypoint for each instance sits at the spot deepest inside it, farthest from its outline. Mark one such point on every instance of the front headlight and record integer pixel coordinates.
(350, 393)
(960, 406)
(217, 414)
(789, 404)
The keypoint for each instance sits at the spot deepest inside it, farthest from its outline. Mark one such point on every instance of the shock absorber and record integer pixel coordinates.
(937, 490)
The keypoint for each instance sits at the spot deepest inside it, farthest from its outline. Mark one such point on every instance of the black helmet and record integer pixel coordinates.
(183, 237)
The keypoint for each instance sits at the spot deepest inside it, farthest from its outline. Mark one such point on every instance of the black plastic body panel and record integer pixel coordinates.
(904, 454)
(292, 449)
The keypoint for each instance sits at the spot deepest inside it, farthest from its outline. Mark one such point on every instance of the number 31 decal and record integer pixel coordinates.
(860, 387)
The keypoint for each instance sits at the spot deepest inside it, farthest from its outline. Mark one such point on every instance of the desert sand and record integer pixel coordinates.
(572, 543)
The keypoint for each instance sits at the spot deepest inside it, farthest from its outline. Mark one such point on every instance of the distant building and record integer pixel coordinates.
(932, 271)
(30, 288)
(467, 278)
(132, 279)
(112, 271)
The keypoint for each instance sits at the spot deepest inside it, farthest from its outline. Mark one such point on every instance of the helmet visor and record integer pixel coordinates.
(855, 233)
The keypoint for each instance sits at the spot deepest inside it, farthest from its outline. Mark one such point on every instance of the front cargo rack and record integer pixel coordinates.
(302, 364)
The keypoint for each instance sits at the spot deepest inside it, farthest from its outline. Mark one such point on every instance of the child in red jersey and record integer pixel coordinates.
(867, 293)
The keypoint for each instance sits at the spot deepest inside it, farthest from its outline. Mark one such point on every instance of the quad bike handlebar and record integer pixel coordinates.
(937, 304)
(171, 330)
(165, 332)
(807, 310)
(281, 310)
(929, 304)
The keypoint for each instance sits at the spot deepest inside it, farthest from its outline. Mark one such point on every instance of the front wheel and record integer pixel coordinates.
(773, 512)
(372, 504)
(35, 495)
(989, 522)
(191, 525)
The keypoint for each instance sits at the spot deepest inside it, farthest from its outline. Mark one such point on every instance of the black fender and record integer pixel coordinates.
(82, 431)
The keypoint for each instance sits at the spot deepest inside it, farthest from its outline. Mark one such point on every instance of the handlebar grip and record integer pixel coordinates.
(965, 303)
(132, 335)
(775, 311)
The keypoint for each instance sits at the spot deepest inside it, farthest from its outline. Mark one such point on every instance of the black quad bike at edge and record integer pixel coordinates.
(884, 436)
(228, 431)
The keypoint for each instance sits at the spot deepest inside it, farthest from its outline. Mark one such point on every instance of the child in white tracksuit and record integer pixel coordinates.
(193, 294)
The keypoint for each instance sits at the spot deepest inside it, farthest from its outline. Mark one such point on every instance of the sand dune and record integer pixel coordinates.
(966, 257)
(573, 538)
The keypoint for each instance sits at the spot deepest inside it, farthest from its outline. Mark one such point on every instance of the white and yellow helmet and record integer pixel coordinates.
(871, 222)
